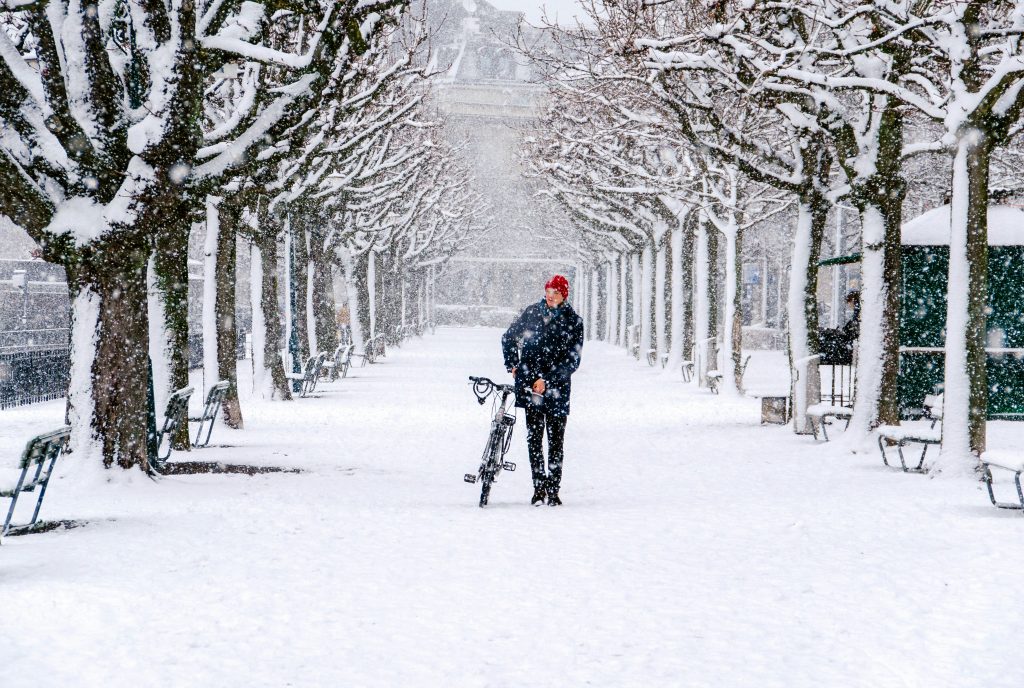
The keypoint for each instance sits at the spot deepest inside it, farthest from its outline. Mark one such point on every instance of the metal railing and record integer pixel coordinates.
(27, 377)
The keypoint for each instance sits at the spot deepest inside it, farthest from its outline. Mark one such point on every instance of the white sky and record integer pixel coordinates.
(563, 10)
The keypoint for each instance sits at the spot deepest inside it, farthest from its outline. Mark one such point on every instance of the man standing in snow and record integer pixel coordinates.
(542, 351)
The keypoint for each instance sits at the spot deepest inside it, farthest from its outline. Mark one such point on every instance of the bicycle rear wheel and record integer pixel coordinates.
(490, 466)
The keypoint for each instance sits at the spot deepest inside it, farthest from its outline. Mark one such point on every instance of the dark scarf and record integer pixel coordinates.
(549, 314)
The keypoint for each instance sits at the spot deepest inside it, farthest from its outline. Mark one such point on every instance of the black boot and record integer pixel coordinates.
(553, 499)
(539, 493)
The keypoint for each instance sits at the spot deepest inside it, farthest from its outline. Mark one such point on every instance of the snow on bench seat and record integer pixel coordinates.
(911, 433)
(774, 405)
(1007, 460)
(821, 410)
(758, 392)
(714, 379)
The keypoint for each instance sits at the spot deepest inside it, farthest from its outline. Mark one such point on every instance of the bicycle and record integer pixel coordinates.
(493, 460)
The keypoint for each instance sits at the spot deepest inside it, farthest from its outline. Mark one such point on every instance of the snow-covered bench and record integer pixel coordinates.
(214, 399)
(923, 432)
(309, 375)
(1012, 461)
(821, 413)
(338, 364)
(714, 380)
(774, 404)
(41, 453)
(175, 415)
(375, 348)
(687, 370)
(715, 376)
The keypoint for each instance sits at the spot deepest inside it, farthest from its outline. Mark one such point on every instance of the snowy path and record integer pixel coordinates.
(695, 548)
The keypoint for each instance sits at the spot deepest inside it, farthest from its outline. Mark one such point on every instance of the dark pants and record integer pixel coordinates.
(535, 422)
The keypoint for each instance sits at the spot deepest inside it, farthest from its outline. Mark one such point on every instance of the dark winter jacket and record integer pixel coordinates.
(549, 351)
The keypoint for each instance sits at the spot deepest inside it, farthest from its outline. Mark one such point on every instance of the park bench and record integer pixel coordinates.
(775, 408)
(821, 413)
(715, 376)
(714, 380)
(338, 364)
(687, 366)
(406, 332)
(372, 351)
(175, 416)
(214, 399)
(923, 432)
(309, 375)
(41, 453)
(837, 403)
(1010, 461)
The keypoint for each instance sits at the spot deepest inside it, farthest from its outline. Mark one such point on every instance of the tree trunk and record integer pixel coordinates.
(687, 261)
(170, 272)
(261, 377)
(703, 328)
(362, 296)
(636, 297)
(730, 343)
(660, 285)
(812, 213)
(646, 298)
(389, 295)
(611, 303)
(676, 352)
(370, 285)
(323, 303)
(209, 303)
(736, 320)
(878, 345)
(713, 290)
(299, 284)
(272, 316)
(355, 285)
(879, 198)
(966, 386)
(227, 333)
(111, 318)
(623, 301)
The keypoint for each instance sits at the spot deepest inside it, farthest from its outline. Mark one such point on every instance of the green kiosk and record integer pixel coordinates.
(923, 321)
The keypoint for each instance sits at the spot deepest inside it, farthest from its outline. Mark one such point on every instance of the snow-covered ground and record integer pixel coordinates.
(695, 548)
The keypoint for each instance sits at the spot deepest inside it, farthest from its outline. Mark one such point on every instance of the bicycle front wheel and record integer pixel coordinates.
(490, 466)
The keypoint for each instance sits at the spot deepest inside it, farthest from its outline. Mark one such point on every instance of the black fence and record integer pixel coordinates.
(42, 374)
(30, 376)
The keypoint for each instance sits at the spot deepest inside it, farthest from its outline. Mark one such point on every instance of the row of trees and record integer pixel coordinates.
(130, 125)
(676, 126)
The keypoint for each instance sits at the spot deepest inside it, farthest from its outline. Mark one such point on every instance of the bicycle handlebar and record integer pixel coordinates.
(483, 387)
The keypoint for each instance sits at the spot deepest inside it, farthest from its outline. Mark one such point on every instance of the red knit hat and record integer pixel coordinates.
(559, 284)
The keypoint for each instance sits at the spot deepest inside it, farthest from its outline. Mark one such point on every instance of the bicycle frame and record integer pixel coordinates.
(499, 438)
